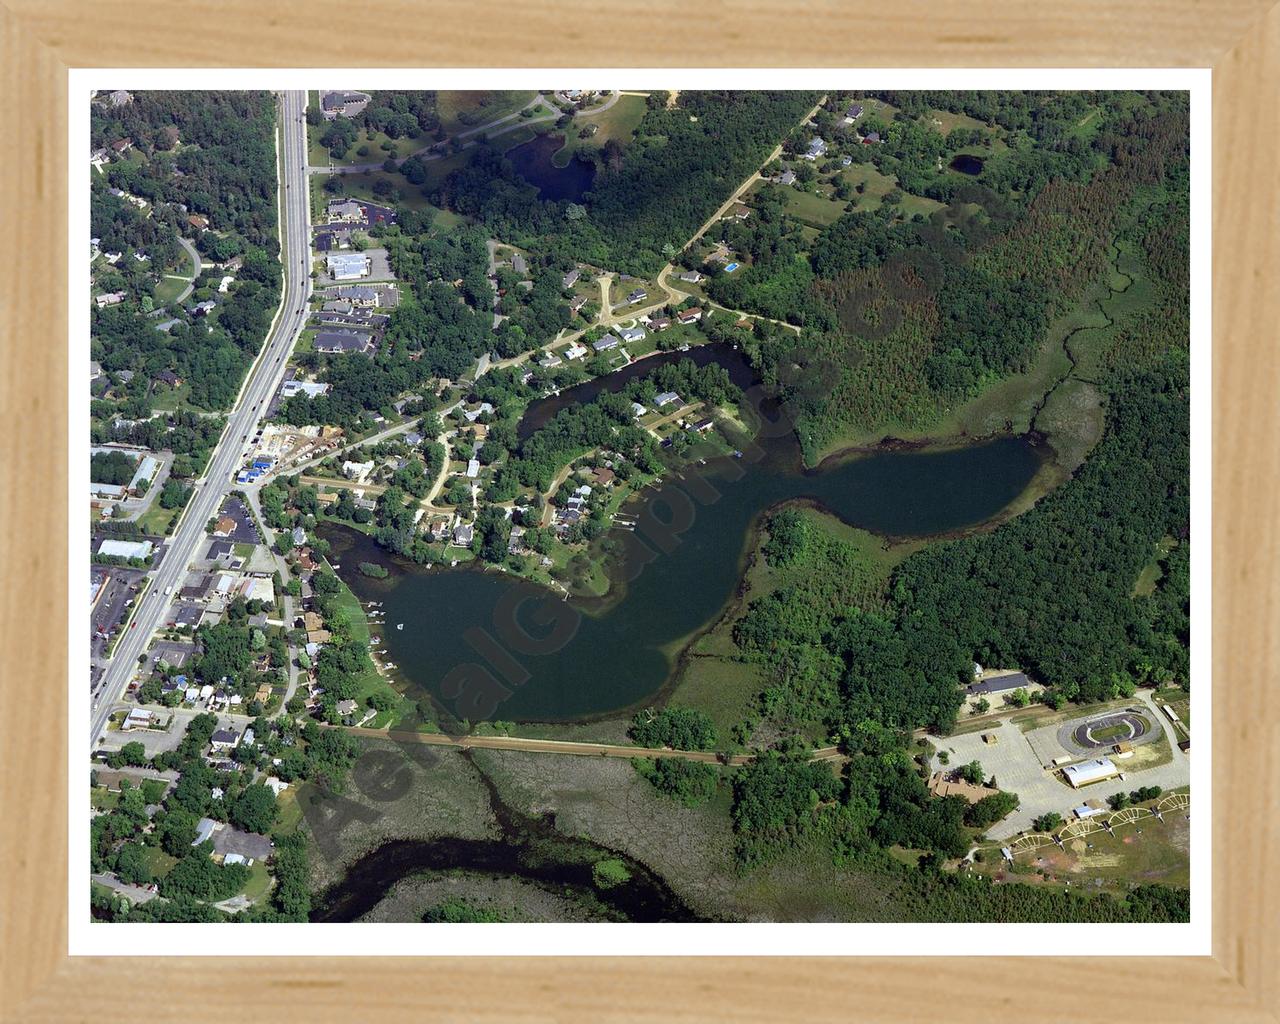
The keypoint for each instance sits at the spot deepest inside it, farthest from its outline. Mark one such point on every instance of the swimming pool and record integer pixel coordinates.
(729, 268)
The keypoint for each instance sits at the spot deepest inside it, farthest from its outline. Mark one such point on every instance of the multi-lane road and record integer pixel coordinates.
(261, 383)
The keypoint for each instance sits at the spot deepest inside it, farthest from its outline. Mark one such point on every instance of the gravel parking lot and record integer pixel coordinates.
(1017, 762)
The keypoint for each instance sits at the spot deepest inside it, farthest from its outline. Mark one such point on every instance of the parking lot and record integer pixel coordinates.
(1017, 761)
(114, 589)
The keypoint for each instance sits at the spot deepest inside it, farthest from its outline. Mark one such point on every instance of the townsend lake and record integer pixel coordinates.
(489, 645)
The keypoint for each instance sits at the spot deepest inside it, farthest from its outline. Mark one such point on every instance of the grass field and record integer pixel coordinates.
(1144, 852)
(618, 123)
(461, 111)
(814, 209)
(156, 520)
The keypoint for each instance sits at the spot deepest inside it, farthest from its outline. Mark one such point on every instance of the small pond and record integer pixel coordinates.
(533, 162)
(967, 163)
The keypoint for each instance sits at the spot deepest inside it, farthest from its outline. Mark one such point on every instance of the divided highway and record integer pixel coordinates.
(261, 383)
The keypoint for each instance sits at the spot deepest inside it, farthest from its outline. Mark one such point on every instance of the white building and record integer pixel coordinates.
(1087, 772)
(126, 548)
(347, 266)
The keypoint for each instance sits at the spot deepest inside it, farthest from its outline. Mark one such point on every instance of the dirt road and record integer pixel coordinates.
(569, 747)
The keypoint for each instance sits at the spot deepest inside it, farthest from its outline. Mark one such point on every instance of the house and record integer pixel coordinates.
(198, 221)
(223, 739)
(816, 148)
(119, 98)
(473, 468)
(570, 279)
(871, 138)
(225, 284)
(518, 264)
(347, 266)
(1087, 772)
(548, 361)
(638, 410)
(605, 343)
(692, 276)
(347, 707)
(659, 323)
(639, 295)
(462, 534)
(666, 398)
(224, 527)
(341, 340)
(853, 113)
(357, 470)
(483, 409)
(787, 178)
(575, 351)
(204, 308)
(219, 549)
(109, 299)
(577, 303)
(299, 536)
(738, 212)
(122, 146)
(603, 475)
(690, 316)
(168, 378)
(343, 103)
(704, 426)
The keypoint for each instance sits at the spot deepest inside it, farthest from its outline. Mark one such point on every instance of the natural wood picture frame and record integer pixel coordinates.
(1239, 39)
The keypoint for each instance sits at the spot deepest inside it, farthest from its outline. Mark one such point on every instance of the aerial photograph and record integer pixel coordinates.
(605, 505)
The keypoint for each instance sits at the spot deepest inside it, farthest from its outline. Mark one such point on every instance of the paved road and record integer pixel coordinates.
(263, 379)
(568, 746)
(195, 260)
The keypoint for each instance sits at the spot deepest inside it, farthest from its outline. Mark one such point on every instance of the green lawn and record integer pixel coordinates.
(259, 881)
(159, 861)
(814, 209)
(618, 123)
(156, 520)
(461, 111)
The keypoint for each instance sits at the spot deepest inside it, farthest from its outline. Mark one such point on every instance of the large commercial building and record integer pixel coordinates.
(347, 266)
(1087, 772)
(126, 548)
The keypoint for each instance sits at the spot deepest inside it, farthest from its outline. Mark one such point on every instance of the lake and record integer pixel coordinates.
(532, 162)
(488, 645)
(966, 163)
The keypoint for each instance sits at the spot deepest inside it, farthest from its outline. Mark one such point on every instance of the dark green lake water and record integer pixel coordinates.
(557, 660)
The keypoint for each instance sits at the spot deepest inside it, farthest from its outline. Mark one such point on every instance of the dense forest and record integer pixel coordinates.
(679, 168)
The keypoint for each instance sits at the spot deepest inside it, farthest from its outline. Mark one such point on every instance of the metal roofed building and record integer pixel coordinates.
(1087, 772)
